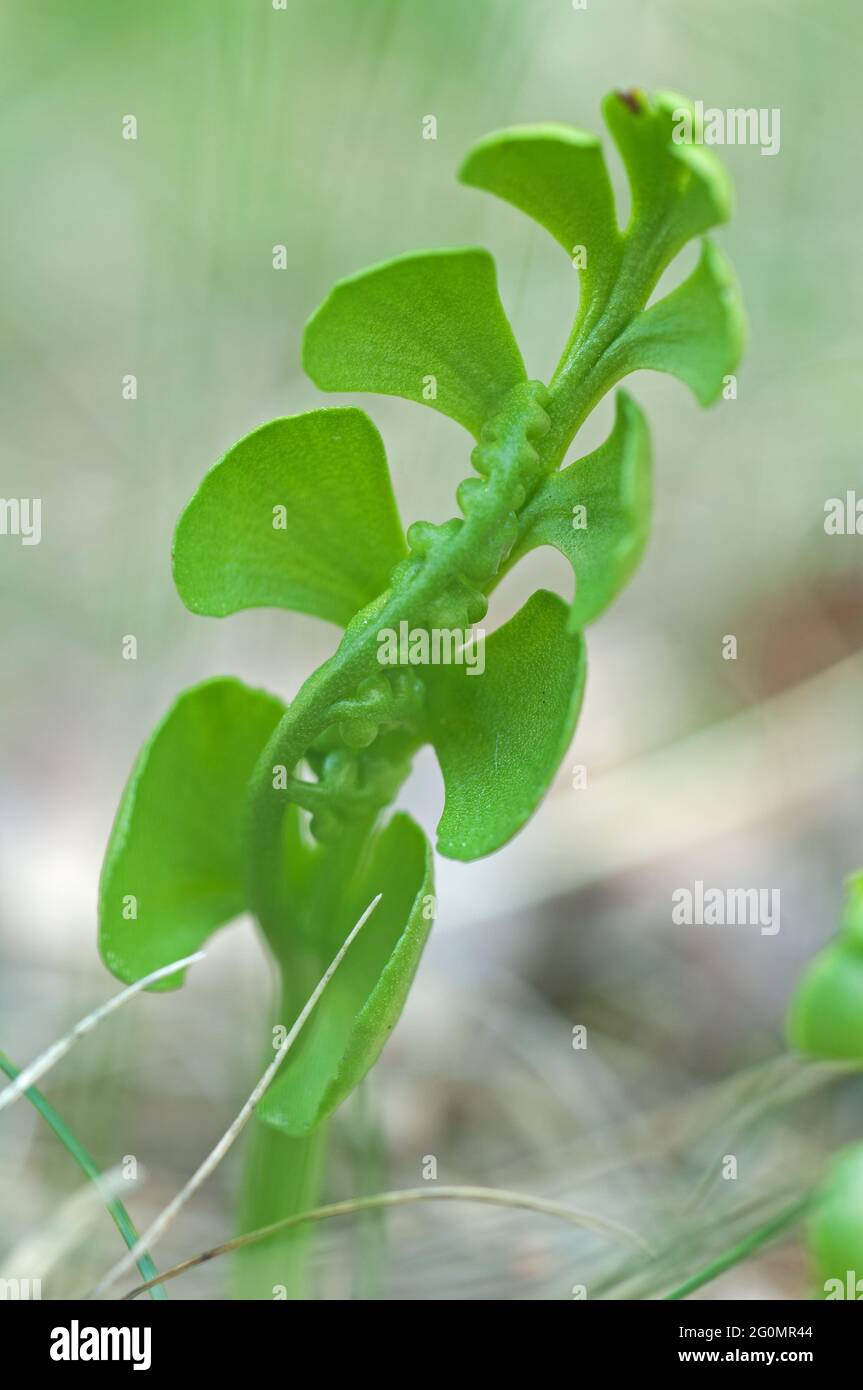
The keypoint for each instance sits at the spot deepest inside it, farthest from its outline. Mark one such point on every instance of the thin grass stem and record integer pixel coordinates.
(88, 1166)
(158, 1227)
(52, 1055)
(490, 1196)
(743, 1249)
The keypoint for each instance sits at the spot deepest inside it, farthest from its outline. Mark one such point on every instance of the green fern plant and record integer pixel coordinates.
(238, 802)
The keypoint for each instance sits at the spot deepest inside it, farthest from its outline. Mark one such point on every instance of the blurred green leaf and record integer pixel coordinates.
(428, 326)
(557, 175)
(696, 333)
(825, 1017)
(500, 735)
(826, 1014)
(175, 857)
(345, 1034)
(605, 542)
(299, 515)
(836, 1226)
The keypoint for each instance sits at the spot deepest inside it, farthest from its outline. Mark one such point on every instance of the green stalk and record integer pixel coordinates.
(282, 1178)
(742, 1250)
(586, 370)
(367, 1142)
(89, 1168)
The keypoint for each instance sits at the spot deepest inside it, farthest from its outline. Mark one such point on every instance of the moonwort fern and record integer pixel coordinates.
(238, 802)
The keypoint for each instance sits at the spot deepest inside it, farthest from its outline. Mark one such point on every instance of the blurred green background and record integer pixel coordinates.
(303, 127)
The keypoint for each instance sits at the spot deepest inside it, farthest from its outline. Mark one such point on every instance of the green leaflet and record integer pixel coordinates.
(344, 1036)
(696, 333)
(177, 846)
(299, 515)
(557, 175)
(679, 190)
(500, 736)
(613, 486)
(836, 1227)
(427, 326)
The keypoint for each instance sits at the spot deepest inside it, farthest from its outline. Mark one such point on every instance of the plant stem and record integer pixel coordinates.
(367, 1142)
(743, 1249)
(89, 1168)
(282, 1177)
